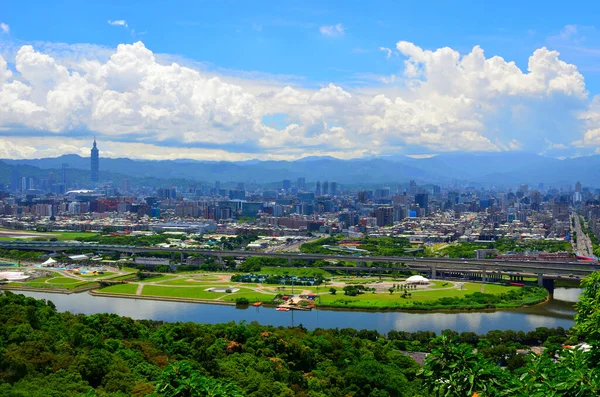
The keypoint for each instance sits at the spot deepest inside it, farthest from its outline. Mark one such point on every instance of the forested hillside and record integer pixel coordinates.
(45, 353)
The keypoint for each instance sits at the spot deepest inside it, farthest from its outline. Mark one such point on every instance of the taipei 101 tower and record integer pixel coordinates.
(95, 157)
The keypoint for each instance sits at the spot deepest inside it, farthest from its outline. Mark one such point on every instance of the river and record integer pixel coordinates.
(556, 313)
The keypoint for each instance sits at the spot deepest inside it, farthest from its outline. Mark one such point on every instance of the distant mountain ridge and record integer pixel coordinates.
(504, 168)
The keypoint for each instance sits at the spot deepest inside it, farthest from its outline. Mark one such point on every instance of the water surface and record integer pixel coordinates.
(557, 313)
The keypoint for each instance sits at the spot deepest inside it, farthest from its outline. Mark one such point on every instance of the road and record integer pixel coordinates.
(583, 246)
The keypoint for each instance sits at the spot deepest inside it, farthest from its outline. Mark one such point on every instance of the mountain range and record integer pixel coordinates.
(504, 168)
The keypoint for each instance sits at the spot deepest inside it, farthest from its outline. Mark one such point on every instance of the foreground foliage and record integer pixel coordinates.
(454, 369)
(46, 353)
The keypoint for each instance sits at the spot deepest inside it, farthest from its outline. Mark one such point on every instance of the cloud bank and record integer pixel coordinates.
(139, 107)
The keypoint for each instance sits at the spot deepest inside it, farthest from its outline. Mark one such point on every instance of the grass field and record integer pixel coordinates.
(121, 289)
(189, 281)
(369, 300)
(195, 293)
(121, 277)
(159, 278)
(252, 296)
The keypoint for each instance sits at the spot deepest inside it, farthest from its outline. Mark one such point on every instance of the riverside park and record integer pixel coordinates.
(286, 288)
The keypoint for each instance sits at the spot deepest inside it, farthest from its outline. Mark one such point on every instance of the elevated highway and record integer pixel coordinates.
(543, 269)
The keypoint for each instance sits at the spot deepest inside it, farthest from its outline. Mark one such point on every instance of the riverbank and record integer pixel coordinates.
(530, 296)
(556, 313)
(51, 290)
(160, 298)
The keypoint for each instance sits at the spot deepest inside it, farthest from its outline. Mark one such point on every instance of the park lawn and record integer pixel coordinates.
(387, 300)
(63, 280)
(181, 292)
(129, 289)
(121, 276)
(65, 236)
(252, 296)
(294, 271)
(189, 281)
(158, 278)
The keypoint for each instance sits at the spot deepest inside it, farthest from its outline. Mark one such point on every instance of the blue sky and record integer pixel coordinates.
(314, 48)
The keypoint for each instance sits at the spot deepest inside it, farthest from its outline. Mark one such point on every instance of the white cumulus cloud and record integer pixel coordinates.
(118, 22)
(332, 30)
(4, 27)
(137, 103)
(388, 51)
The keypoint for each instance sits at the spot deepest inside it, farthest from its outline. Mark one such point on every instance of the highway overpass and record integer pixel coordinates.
(543, 269)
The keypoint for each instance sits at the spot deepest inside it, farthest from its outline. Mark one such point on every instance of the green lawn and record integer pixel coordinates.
(121, 276)
(63, 280)
(388, 300)
(55, 282)
(252, 296)
(174, 292)
(158, 278)
(121, 289)
(61, 236)
(189, 281)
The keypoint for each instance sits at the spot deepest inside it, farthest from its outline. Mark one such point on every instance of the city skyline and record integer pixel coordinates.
(287, 82)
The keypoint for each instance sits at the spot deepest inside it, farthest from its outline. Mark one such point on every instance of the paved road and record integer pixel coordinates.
(584, 244)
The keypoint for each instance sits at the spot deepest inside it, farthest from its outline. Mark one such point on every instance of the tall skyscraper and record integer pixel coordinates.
(15, 179)
(126, 185)
(95, 157)
(64, 180)
(325, 188)
(422, 199)
(318, 189)
(301, 183)
(333, 188)
(578, 187)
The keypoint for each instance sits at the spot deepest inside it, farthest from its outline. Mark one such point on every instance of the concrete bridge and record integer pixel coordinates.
(487, 268)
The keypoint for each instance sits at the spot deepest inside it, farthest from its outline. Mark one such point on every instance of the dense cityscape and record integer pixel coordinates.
(425, 214)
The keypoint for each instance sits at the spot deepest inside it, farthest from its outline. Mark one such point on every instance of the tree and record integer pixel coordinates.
(587, 317)
(332, 291)
(180, 380)
(391, 290)
(453, 370)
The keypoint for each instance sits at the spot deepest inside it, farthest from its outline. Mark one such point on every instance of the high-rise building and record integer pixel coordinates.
(412, 188)
(126, 185)
(333, 188)
(384, 216)
(318, 189)
(325, 188)
(218, 186)
(65, 170)
(535, 198)
(95, 158)
(422, 199)
(578, 187)
(301, 183)
(15, 180)
(287, 184)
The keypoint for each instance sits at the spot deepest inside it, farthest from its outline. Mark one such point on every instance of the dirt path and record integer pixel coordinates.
(139, 289)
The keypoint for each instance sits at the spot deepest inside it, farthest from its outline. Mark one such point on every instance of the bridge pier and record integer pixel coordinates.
(181, 258)
(547, 283)
(290, 261)
(433, 272)
(483, 276)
